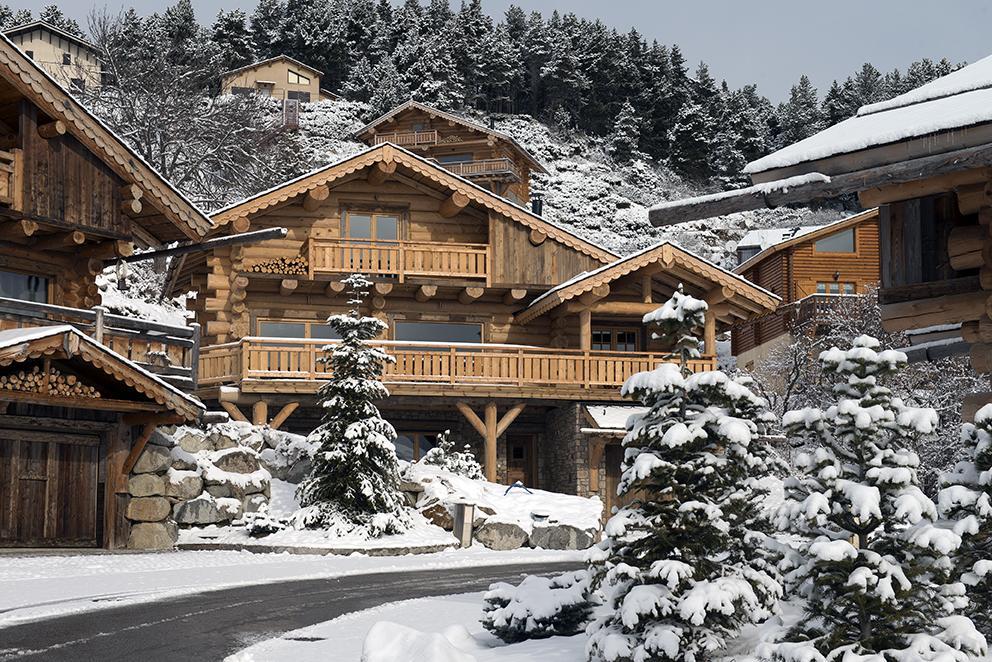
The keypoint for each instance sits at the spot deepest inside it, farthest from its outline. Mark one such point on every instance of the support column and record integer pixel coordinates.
(491, 442)
(585, 329)
(260, 413)
(709, 332)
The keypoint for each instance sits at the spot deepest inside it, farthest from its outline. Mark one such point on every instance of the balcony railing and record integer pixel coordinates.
(396, 258)
(171, 352)
(501, 167)
(407, 139)
(10, 173)
(495, 369)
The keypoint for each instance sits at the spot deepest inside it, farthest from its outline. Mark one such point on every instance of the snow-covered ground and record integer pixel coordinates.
(37, 587)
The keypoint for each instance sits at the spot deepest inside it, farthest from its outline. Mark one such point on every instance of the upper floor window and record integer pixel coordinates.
(296, 329)
(370, 225)
(607, 339)
(745, 253)
(26, 287)
(453, 158)
(298, 79)
(839, 242)
(66, 58)
(299, 96)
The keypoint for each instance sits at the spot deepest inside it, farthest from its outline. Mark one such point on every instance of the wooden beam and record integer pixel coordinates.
(491, 437)
(377, 302)
(380, 171)
(18, 230)
(470, 294)
(647, 289)
(260, 413)
(514, 296)
(472, 418)
(595, 294)
(596, 449)
(131, 207)
(315, 197)
(453, 204)
(585, 330)
(334, 288)
(59, 241)
(709, 332)
(537, 237)
(881, 195)
(426, 293)
(615, 308)
(241, 225)
(52, 129)
(108, 250)
(508, 418)
(964, 246)
(973, 197)
(382, 288)
(921, 313)
(131, 192)
(233, 411)
(146, 433)
(283, 414)
(287, 286)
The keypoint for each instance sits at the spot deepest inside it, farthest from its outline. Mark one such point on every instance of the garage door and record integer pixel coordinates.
(48, 489)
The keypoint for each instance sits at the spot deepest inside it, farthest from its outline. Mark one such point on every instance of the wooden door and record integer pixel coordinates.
(48, 489)
(521, 460)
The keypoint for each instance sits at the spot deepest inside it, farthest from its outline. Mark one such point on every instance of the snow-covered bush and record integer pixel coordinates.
(869, 558)
(966, 500)
(538, 607)
(354, 480)
(261, 523)
(444, 456)
(684, 565)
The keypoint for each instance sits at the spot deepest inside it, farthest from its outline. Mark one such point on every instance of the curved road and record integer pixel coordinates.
(209, 626)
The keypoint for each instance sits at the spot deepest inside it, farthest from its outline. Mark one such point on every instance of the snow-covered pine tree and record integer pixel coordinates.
(683, 566)
(9, 17)
(691, 141)
(966, 501)
(53, 15)
(626, 133)
(231, 34)
(353, 483)
(390, 90)
(800, 117)
(361, 83)
(869, 558)
(445, 456)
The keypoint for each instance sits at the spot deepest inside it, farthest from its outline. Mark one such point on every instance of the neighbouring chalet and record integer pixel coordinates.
(74, 62)
(280, 77)
(489, 158)
(78, 396)
(503, 324)
(925, 159)
(808, 268)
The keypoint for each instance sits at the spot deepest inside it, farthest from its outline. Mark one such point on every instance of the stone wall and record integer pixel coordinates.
(149, 510)
(562, 456)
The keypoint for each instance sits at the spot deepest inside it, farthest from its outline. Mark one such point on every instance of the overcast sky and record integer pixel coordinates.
(769, 42)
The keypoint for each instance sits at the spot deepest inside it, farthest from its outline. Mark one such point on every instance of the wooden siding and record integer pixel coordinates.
(515, 259)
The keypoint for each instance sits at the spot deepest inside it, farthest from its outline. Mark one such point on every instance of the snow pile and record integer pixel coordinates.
(136, 291)
(392, 642)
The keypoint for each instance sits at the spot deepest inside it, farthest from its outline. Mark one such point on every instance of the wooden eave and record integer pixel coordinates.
(826, 230)
(67, 343)
(388, 153)
(42, 90)
(738, 292)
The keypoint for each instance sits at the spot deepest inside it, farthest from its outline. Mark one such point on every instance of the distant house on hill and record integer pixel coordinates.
(72, 61)
(806, 267)
(280, 77)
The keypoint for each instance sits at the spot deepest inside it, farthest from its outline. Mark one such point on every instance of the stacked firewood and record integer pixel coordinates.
(281, 265)
(33, 381)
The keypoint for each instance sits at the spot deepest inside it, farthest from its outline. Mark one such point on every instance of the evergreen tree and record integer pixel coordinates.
(231, 35)
(870, 561)
(800, 117)
(10, 18)
(266, 27)
(966, 500)
(431, 75)
(390, 90)
(537, 50)
(562, 79)
(499, 70)
(361, 83)
(53, 15)
(354, 480)
(682, 567)
(837, 104)
(626, 133)
(691, 142)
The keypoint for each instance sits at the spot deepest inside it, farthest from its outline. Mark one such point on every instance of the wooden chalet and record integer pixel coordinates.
(78, 398)
(809, 271)
(925, 159)
(481, 154)
(501, 322)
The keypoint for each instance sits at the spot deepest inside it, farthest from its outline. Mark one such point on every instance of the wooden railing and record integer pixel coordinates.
(407, 139)
(397, 258)
(483, 168)
(511, 367)
(10, 179)
(169, 351)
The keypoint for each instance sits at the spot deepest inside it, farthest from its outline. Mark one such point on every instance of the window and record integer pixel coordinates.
(411, 446)
(66, 58)
(442, 332)
(453, 158)
(370, 225)
(241, 90)
(26, 287)
(839, 242)
(297, 79)
(835, 288)
(607, 339)
(298, 96)
(745, 253)
(296, 329)
(418, 127)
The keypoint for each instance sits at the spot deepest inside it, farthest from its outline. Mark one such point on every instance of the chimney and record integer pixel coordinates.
(537, 204)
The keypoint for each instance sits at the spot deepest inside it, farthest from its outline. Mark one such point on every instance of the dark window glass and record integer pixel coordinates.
(438, 332)
(404, 447)
(30, 54)
(454, 158)
(839, 242)
(66, 58)
(299, 96)
(282, 329)
(745, 253)
(324, 332)
(601, 340)
(848, 288)
(25, 287)
(626, 341)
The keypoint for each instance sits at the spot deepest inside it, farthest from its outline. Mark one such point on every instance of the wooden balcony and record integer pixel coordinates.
(172, 352)
(396, 258)
(501, 168)
(284, 365)
(407, 139)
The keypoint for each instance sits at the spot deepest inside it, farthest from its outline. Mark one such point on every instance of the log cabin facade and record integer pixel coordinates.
(808, 271)
(502, 323)
(78, 400)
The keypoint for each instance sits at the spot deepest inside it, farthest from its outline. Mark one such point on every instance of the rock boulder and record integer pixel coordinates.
(153, 535)
(202, 510)
(501, 536)
(183, 485)
(148, 509)
(154, 460)
(143, 485)
(562, 536)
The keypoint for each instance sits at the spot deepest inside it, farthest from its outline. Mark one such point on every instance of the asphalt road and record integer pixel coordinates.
(209, 626)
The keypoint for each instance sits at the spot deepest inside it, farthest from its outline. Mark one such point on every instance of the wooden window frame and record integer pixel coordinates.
(857, 244)
(839, 283)
(401, 214)
(393, 320)
(613, 329)
(417, 437)
(301, 79)
(50, 277)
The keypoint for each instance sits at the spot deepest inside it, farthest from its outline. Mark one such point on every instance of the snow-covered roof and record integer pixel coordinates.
(770, 236)
(475, 126)
(45, 25)
(960, 99)
(12, 338)
(613, 417)
(260, 63)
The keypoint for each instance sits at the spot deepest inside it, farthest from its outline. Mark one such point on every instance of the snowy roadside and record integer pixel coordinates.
(38, 587)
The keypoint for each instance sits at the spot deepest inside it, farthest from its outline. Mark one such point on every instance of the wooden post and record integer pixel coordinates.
(491, 437)
(585, 329)
(260, 413)
(283, 414)
(98, 325)
(233, 411)
(194, 360)
(646, 292)
(709, 332)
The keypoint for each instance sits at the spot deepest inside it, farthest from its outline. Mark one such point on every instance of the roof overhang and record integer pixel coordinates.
(275, 58)
(44, 25)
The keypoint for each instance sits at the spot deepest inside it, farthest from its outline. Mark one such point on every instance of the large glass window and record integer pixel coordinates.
(444, 332)
(368, 225)
(839, 242)
(26, 287)
(296, 329)
(454, 158)
(411, 446)
(298, 79)
(615, 339)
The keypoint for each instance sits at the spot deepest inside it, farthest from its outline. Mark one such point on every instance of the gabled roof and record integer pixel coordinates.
(260, 63)
(430, 110)
(665, 254)
(768, 237)
(67, 342)
(41, 89)
(389, 153)
(814, 235)
(45, 25)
